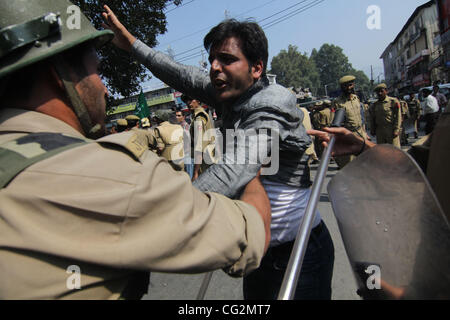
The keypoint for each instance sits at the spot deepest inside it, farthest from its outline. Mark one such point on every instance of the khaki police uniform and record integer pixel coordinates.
(203, 139)
(133, 121)
(386, 117)
(352, 122)
(122, 125)
(415, 110)
(366, 117)
(405, 115)
(111, 208)
(325, 117)
(320, 117)
(311, 152)
(169, 139)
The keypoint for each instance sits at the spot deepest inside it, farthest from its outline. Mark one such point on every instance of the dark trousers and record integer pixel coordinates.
(431, 119)
(315, 277)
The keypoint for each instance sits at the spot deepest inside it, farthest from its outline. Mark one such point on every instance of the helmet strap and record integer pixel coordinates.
(62, 69)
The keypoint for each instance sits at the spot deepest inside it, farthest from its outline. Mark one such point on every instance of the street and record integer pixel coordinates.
(223, 287)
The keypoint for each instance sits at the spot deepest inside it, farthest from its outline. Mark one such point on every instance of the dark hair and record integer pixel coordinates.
(185, 98)
(254, 43)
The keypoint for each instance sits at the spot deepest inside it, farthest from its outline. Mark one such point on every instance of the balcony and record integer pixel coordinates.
(417, 57)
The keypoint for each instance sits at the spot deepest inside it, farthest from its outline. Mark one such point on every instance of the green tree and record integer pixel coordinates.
(332, 64)
(294, 69)
(362, 83)
(143, 18)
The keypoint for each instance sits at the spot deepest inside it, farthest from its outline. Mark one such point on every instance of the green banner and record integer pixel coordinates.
(141, 106)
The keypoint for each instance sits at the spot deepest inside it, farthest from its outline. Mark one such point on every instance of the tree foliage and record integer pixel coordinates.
(145, 19)
(323, 68)
(294, 69)
(332, 64)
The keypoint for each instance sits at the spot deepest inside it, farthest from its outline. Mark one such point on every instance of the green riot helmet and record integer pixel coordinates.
(163, 115)
(34, 30)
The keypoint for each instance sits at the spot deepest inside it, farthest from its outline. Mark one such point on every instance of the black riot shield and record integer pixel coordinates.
(395, 233)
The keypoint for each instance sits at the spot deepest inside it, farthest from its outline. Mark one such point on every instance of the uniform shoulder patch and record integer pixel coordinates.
(135, 142)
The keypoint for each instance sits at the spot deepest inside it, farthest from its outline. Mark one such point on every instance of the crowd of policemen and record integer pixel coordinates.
(388, 119)
(174, 140)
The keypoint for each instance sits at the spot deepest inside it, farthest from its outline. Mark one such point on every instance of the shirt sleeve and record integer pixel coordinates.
(397, 115)
(143, 216)
(187, 79)
(269, 128)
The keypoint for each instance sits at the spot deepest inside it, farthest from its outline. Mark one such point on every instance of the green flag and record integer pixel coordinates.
(142, 110)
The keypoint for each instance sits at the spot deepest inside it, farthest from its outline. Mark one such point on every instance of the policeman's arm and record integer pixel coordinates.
(397, 115)
(255, 195)
(199, 124)
(373, 123)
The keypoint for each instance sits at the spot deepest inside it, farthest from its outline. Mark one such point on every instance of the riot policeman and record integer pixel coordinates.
(386, 117)
(104, 207)
(353, 121)
(169, 140)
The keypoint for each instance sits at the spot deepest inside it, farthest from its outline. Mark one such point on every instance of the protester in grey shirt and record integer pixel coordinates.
(237, 83)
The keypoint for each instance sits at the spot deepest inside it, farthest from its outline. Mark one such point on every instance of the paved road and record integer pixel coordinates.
(223, 287)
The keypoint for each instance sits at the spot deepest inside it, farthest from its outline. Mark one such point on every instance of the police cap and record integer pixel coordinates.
(122, 122)
(380, 86)
(346, 79)
(318, 103)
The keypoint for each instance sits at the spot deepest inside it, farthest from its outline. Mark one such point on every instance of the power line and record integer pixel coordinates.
(266, 26)
(292, 14)
(180, 6)
(298, 3)
(209, 28)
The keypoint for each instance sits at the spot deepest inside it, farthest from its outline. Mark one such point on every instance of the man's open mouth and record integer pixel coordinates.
(220, 84)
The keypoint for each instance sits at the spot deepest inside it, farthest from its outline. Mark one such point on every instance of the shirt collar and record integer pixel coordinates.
(20, 120)
(256, 87)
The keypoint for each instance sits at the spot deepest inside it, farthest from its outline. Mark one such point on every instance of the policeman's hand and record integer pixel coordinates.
(122, 38)
(346, 142)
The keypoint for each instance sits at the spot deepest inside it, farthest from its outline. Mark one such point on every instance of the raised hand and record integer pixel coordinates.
(122, 38)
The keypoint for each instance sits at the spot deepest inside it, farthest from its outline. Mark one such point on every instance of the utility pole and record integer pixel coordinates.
(203, 63)
(170, 52)
(371, 80)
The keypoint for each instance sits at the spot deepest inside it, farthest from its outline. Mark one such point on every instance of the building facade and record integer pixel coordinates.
(414, 59)
(443, 7)
(161, 98)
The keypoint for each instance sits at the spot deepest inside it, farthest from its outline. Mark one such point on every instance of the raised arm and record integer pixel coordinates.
(187, 79)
